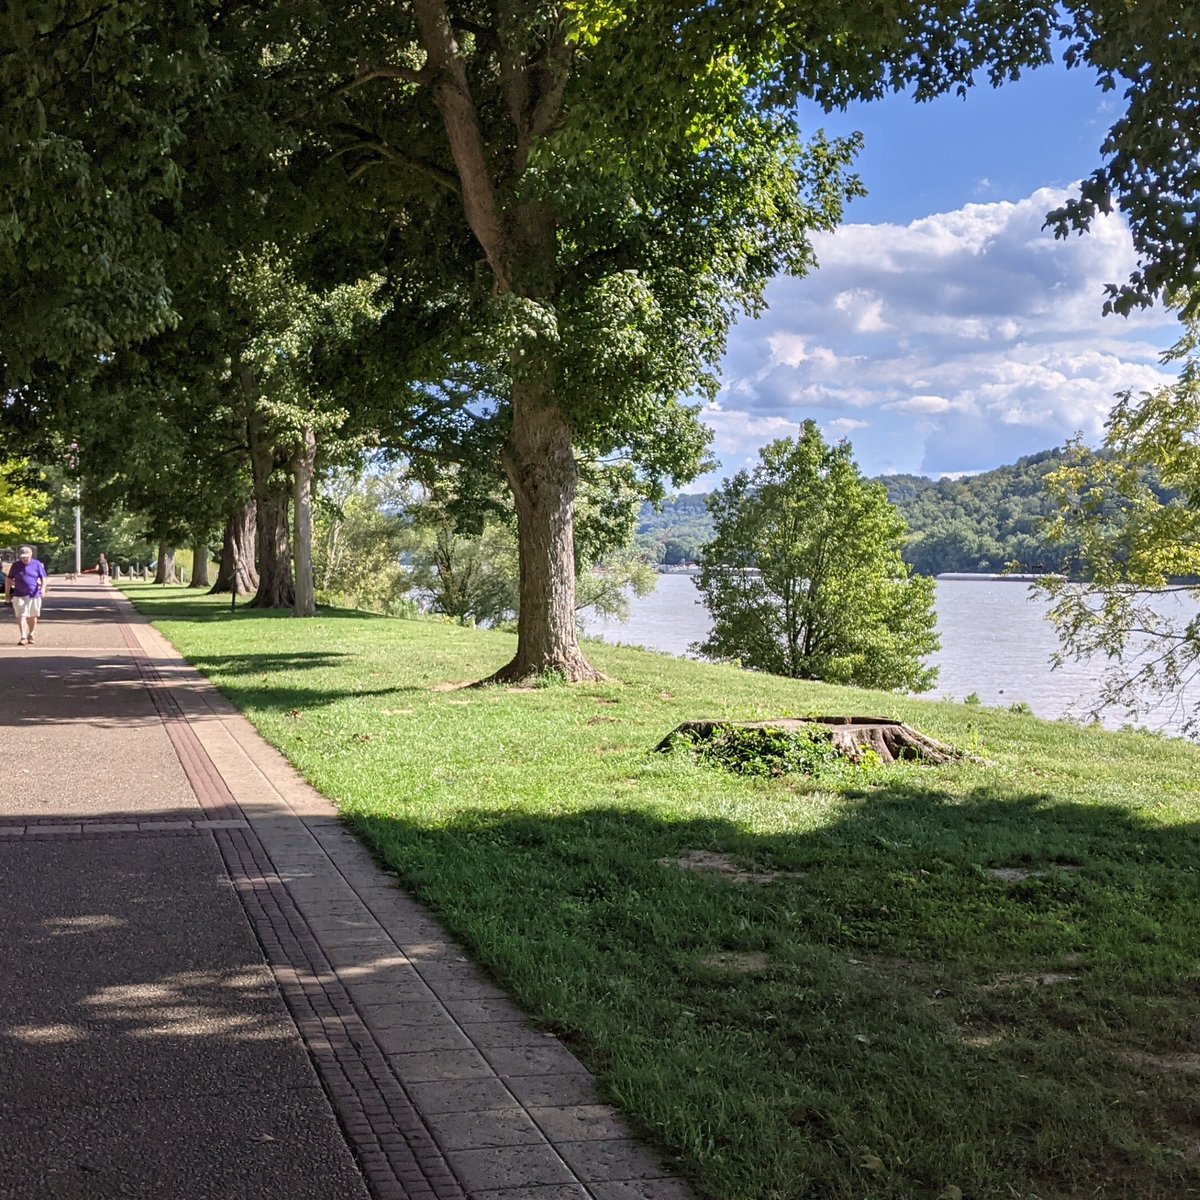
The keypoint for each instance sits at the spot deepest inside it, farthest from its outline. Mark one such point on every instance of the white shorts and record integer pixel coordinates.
(27, 606)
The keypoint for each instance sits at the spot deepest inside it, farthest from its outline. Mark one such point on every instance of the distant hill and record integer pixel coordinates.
(977, 523)
(675, 533)
(980, 522)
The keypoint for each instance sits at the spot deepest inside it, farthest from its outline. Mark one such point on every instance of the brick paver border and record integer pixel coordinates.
(393, 1147)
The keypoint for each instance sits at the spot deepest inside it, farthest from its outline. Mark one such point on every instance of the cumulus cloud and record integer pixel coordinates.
(841, 426)
(952, 344)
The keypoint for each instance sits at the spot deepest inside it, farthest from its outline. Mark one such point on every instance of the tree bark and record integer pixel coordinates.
(164, 570)
(199, 565)
(521, 246)
(543, 475)
(302, 475)
(275, 586)
(236, 572)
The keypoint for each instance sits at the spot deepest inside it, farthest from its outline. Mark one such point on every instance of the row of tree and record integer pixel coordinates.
(501, 240)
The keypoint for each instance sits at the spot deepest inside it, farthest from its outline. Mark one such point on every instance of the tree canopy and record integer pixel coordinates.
(569, 203)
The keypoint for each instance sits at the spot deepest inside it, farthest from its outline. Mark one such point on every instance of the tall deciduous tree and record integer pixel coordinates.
(603, 287)
(1133, 513)
(804, 576)
(290, 366)
(631, 179)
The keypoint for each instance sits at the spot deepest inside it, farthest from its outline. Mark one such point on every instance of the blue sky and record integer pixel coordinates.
(944, 331)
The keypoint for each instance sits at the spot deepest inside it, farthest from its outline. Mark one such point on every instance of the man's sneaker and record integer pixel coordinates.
(22, 641)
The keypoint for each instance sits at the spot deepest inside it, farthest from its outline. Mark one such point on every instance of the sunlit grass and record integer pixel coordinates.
(909, 1022)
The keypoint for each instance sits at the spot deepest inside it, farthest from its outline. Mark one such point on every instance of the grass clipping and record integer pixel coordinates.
(808, 745)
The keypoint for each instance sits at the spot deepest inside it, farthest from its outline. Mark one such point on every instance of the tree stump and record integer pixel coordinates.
(892, 741)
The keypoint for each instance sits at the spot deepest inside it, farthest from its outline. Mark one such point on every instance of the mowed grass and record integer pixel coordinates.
(883, 1018)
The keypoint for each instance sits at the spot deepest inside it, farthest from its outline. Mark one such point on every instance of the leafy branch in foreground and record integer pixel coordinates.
(1129, 597)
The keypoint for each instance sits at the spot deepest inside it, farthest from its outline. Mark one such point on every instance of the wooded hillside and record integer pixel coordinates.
(976, 523)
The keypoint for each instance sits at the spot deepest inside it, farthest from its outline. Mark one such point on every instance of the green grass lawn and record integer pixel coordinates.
(883, 1018)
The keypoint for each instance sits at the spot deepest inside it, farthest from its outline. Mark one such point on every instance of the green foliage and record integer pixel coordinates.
(986, 523)
(95, 97)
(465, 565)
(23, 504)
(674, 530)
(469, 576)
(980, 523)
(772, 752)
(359, 537)
(1132, 515)
(804, 575)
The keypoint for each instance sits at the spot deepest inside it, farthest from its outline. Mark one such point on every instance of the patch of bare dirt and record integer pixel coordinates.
(746, 961)
(449, 686)
(1020, 874)
(1029, 979)
(711, 862)
(1163, 1064)
(980, 1041)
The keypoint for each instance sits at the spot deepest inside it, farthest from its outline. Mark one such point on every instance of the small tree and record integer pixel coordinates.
(804, 576)
(1131, 514)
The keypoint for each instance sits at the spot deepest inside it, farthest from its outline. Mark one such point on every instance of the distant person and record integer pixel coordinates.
(102, 569)
(25, 585)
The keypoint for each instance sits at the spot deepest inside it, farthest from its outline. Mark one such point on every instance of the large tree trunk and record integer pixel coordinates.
(164, 571)
(199, 565)
(275, 587)
(302, 475)
(236, 572)
(522, 250)
(543, 475)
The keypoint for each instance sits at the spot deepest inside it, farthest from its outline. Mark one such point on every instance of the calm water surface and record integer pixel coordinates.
(996, 642)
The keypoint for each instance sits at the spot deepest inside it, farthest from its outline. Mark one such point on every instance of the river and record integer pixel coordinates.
(996, 643)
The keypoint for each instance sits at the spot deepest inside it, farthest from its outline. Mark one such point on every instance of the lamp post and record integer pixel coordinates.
(73, 463)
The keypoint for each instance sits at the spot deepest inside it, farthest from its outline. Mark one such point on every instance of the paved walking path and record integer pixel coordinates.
(208, 989)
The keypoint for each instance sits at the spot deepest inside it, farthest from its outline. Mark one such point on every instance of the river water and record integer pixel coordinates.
(996, 642)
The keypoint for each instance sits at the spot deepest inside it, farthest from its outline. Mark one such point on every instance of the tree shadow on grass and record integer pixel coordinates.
(253, 680)
(884, 992)
(178, 605)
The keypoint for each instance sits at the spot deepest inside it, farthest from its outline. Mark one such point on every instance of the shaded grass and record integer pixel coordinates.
(898, 1040)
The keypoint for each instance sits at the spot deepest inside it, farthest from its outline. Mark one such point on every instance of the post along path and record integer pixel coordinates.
(208, 988)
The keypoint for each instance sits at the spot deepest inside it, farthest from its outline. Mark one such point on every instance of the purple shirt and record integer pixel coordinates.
(26, 578)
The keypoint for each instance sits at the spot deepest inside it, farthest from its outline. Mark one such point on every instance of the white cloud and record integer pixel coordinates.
(841, 426)
(963, 340)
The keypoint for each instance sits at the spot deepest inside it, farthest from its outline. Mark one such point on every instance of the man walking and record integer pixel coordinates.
(25, 584)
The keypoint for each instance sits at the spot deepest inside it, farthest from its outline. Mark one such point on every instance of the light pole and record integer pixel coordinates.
(73, 462)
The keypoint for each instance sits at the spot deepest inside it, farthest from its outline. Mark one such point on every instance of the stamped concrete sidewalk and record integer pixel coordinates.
(209, 989)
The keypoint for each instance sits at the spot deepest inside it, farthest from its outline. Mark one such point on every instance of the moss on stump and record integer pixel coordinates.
(892, 741)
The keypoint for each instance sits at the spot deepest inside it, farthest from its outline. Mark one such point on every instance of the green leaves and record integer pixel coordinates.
(1130, 511)
(23, 504)
(804, 575)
